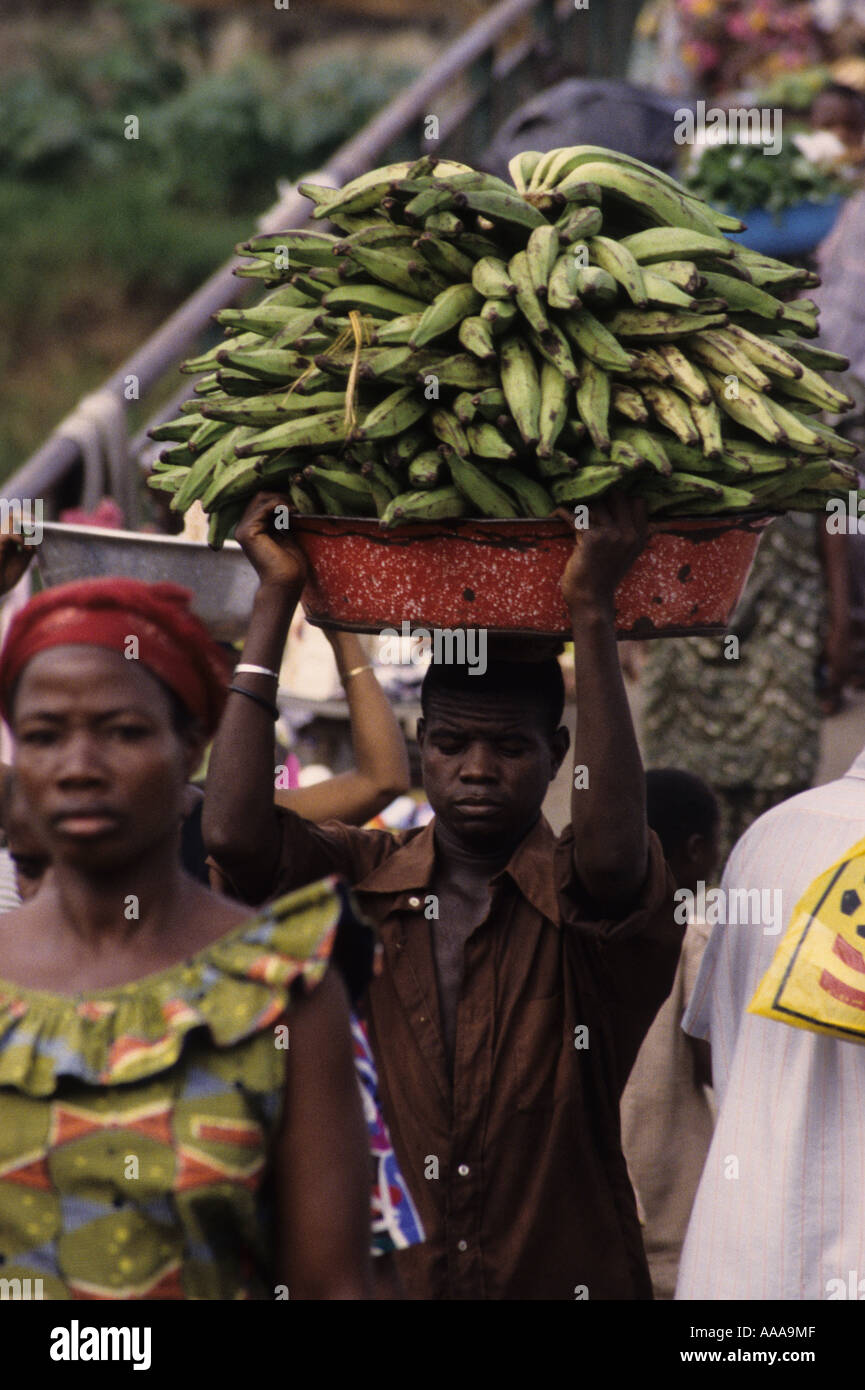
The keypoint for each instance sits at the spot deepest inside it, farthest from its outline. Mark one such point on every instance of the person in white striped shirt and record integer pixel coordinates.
(23, 862)
(780, 1210)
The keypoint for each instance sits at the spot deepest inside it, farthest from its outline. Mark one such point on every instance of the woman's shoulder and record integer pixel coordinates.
(29, 935)
(239, 982)
(214, 915)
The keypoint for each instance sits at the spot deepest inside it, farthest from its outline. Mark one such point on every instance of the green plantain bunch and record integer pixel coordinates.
(458, 346)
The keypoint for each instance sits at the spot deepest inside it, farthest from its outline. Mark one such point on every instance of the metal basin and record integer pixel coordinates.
(223, 582)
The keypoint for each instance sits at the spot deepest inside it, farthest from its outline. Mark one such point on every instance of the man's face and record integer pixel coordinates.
(487, 765)
(695, 860)
(27, 852)
(99, 763)
(833, 112)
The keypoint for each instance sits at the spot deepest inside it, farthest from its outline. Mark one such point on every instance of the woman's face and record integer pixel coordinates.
(99, 763)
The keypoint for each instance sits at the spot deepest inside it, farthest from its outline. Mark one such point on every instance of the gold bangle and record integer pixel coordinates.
(355, 671)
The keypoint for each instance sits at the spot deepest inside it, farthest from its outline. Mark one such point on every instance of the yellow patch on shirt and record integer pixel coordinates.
(817, 976)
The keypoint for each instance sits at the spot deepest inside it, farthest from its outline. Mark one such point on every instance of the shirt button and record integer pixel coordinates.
(463, 1170)
(462, 1245)
(414, 902)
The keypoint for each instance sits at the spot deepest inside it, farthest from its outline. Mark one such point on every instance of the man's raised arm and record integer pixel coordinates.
(608, 797)
(240, 823)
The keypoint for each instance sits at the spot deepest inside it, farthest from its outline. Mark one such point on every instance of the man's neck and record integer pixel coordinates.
(456, 857)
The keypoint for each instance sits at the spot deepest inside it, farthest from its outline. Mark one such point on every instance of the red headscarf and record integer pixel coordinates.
(172, 642)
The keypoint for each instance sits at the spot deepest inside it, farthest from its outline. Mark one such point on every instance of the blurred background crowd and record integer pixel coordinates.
(103, 236)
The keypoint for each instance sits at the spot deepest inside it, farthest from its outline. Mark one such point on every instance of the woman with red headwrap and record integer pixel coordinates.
(158, 1139)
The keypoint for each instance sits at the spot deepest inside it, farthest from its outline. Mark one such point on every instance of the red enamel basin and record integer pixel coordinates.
(504, 575)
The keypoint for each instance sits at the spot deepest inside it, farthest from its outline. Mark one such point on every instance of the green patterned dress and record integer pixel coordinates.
(136, 1122)
(748, 724)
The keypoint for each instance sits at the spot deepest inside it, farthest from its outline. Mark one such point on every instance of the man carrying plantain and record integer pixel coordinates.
(520, 971)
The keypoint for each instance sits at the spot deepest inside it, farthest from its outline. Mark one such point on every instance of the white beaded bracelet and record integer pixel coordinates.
(247, 669)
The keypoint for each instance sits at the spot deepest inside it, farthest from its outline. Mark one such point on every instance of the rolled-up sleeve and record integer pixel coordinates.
(309, 851)
(632, 958)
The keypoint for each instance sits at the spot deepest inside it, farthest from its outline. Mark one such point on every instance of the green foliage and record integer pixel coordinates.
(42, 129)
(101, 236)
(213, 139)
(795, 91)
(742, 177)
(120, 229)
(144, 63)
(330, 102)
(83, 280)
(227, 138)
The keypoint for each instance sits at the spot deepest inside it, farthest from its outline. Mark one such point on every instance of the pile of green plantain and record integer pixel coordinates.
(461, 347)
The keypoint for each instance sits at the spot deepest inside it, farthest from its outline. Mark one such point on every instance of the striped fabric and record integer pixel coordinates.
(9, 895)
(780, 1210)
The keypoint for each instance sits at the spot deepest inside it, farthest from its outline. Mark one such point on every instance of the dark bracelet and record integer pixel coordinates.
(259, 700)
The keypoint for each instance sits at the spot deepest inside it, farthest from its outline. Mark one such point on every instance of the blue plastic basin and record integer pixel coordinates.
(797, 230)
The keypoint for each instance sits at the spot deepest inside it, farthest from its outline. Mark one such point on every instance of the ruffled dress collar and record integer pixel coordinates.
(238, 985)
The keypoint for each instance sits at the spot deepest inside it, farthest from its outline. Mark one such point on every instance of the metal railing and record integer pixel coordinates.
(477, 81)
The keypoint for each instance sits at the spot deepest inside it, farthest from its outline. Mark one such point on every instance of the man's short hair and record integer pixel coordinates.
(679, 804)
(854, 99)
(536, 684)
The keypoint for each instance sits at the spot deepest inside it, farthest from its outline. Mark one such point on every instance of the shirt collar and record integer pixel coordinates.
(857, 767)
(410, 867)
(531, 867)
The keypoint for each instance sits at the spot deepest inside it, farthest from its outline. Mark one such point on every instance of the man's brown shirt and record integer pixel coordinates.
(516, 1169)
